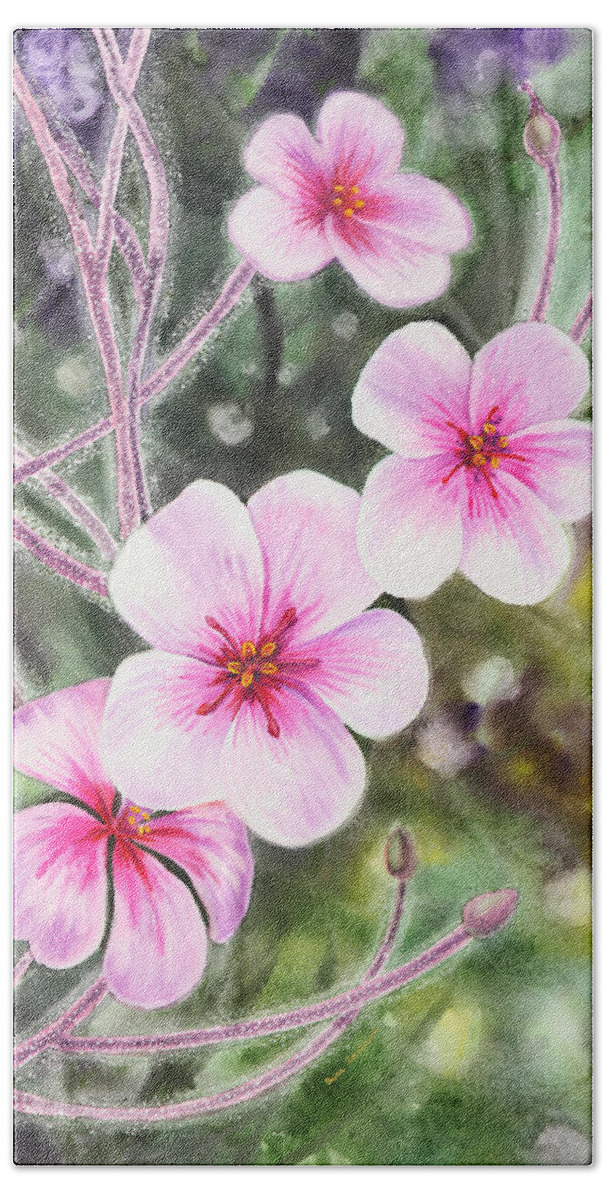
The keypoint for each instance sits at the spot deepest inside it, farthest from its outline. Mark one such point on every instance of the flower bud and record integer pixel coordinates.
(542, 133)
(400, 855)
(486, 914)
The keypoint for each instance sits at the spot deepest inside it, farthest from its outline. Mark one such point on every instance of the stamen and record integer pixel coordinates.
(489, 427)
(338, 187)
(495, 461)
(337, 201)
(354, 191)
(348, 212)
(269, 668)
(247, 679)
(359, 203)
(209, 706)
(476, 442)
(234, 668)
(478, 459)
(248, 650)
(503, 442)
(267, 649)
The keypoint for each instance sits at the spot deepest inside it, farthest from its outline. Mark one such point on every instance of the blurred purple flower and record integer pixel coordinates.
(58, 61)
(474, 62)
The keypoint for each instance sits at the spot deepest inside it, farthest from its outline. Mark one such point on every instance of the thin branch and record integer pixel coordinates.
(22, 966)
(97, 297)
(541, 141)
(173, 365)
(84, 516)
(105, 228)
(229, 296)
(158, 240)
(77, 1012)
(582, 321)
(56, 560)
(50, 457)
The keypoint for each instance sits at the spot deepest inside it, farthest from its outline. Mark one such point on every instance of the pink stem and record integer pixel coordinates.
(58, 453)
(59, 562)
(582, 321)
(541, 304)
(105, 229)
(24, 963)
(82, 514)
(345, 1004)
(188, 1109)
(229, 296)
(158, 240)
(45, 1037)
(173, 365)
(95, 286)
(74, 158)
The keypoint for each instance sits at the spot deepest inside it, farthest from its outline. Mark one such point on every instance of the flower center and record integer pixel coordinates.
(138, 820)
(482, 453)
(254, 673)
(346, 200)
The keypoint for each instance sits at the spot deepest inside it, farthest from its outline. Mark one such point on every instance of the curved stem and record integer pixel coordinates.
(22, 965)
(95, 286)
(46, 1037)
(50, 457)
(228, 298)
(346, 1004)
(88, 521)
(582, 321)
(158, 240)
(541, 303)
(58, 561)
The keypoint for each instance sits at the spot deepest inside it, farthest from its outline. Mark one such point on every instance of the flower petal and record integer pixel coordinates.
(557, 465)
(284, 155)
(372, 672)
(160, 752)
(514, 549)
(387, 264)
(60, 882)
(297, 787)
(410, 531)
(306, 524)
(533, 373)
(197, 557)
(278, 236)
(57, 741)
(362, 138)
(211, 844)
(157, 947)
(416, 382)
(427, 212)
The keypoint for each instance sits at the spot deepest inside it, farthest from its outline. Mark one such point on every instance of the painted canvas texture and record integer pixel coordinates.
(303, 590)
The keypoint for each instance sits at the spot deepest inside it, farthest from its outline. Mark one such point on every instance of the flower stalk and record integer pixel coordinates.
(58, 561)
(582, 321)
(542, 137)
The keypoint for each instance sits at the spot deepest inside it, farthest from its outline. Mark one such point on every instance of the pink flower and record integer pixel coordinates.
(343, 196)
(157, 945)
(262, 654)
(486, 468)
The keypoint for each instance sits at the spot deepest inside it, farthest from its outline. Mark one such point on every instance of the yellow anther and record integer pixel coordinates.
(141, 829)
(479, 460)
(248, 650)
(338, 187)
(354, 191)
(131, 820)
(337, 201)
(247, 678)
(348, 212)
(489, 427)
(503, 442)
(234, 668)
(359, 203)
(269, 669)
(134, 809)
(494, 461)
(145, 816)
(267, 649)
(476, 442)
